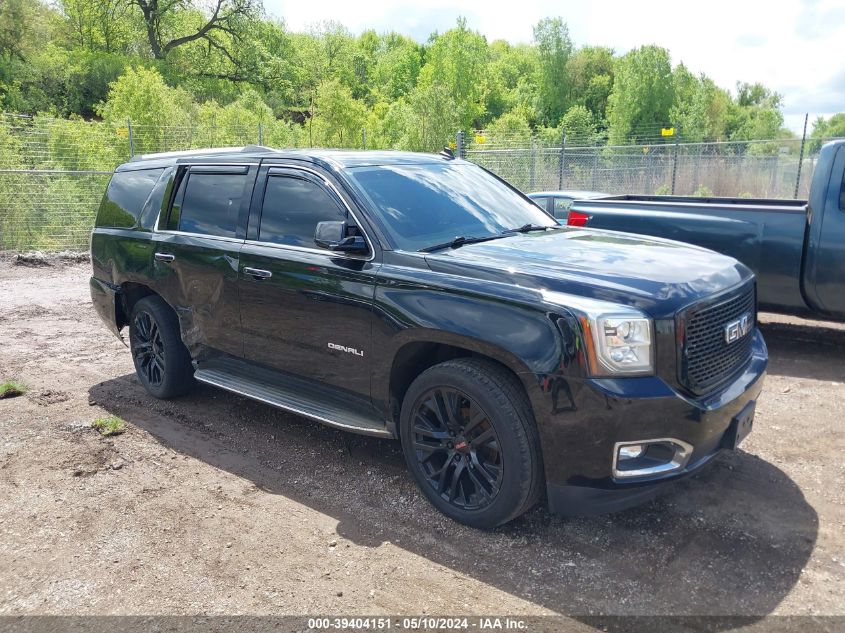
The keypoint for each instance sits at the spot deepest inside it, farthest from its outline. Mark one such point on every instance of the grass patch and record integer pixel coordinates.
(111, 425)
(12, 388)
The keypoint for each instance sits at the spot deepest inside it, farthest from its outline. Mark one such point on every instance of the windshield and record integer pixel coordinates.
(422, 205)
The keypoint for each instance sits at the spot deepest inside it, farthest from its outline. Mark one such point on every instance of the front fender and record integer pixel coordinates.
(531, 341)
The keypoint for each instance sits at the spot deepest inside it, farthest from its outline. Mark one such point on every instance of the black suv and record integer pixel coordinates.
(422, 298)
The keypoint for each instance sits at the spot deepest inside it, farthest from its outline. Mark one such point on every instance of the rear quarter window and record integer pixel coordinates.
(125, 197)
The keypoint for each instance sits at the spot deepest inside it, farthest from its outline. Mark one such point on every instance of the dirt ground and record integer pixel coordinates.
(213, 504)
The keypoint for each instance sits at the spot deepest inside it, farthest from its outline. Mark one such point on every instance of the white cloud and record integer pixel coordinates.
(792, 46)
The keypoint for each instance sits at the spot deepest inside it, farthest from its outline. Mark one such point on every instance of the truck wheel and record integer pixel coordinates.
(161, 359)
(470, 441)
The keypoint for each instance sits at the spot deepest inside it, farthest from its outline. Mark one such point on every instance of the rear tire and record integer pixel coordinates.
(470, 441)
(162, 361)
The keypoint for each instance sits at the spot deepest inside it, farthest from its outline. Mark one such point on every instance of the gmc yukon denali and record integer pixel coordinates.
(422, 298)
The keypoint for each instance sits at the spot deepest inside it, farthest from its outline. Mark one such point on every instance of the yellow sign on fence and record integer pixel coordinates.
(123, 131)
(667, 131)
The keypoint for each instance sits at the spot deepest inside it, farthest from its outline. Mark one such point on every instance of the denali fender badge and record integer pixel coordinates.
(735, 330)
(343, 348)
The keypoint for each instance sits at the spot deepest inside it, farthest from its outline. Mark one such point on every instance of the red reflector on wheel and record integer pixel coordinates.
(576, 218)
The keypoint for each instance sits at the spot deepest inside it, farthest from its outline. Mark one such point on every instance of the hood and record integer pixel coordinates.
(655, 275)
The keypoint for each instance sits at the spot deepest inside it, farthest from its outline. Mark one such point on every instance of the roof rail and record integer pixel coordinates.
(245, 149)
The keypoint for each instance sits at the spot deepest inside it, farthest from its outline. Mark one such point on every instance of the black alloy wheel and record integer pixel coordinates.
(148, 349)
(471, 443)
(457, 448)
(162, 361)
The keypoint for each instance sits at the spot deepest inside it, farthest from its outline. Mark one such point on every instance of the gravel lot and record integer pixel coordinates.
(213, 504)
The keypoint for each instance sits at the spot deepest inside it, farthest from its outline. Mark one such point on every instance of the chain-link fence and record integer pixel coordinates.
(53, 171)
(752, 169)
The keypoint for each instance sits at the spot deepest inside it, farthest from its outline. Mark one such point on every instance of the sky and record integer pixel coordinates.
(796, 47)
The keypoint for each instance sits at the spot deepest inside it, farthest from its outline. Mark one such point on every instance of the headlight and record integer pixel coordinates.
(623, 344)
(617, 338)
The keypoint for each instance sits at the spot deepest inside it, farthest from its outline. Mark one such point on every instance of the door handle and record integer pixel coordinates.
(164, 257)
(257, 273)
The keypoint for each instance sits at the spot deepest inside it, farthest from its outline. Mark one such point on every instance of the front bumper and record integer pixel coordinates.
(590, 417)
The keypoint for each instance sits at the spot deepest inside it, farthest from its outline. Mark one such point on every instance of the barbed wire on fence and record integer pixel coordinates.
(53, 172)
(772, 168)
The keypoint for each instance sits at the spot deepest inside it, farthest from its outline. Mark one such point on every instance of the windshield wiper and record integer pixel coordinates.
(460, 241)
(527, 228)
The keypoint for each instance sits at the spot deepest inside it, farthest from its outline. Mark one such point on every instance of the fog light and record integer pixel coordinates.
(631, 451)
(650, 458)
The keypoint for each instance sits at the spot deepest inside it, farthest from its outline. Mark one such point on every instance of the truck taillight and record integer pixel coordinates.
(576, 218)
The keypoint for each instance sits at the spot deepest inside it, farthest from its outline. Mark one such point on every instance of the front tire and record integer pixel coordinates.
(470, 441)
(162, 361)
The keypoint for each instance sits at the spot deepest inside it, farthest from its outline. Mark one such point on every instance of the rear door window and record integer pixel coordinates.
(293, 205)
(209, 203)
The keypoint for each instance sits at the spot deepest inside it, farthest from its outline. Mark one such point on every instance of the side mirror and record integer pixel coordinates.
(333, 236)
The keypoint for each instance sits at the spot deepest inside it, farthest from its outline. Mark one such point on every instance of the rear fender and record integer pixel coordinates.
(107, 300)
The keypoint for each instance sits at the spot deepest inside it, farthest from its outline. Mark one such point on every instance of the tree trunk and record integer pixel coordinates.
(149, 10)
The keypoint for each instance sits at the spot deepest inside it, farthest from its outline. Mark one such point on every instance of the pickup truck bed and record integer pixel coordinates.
(796, 248)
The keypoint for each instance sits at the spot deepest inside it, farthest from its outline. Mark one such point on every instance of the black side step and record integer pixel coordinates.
(293, 394)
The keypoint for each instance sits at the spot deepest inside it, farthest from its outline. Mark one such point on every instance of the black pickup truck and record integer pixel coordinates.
(796, 248)
(422, 298)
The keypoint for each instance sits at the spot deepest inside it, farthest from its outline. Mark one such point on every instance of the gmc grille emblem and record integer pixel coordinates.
(735, 330)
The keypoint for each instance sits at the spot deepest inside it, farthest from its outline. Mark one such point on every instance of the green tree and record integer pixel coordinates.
(365, 52)
(642, 95)
(512, 75)
(234, 124)
(756, 114)
(590, 74)
(823, 129)
(397, 67)
(579, 126)
(174, 23)
(104, 25)
(554, 48)
(141, 95)
(24, 28)
(326, 52)
(700, 107)
(432, 118)
(512, 126)
(338, 117)
(456, 62)
(387, 125)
